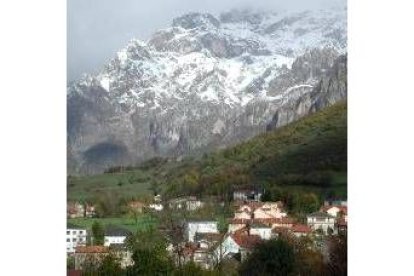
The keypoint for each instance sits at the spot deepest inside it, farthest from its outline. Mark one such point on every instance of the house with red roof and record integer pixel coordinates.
(300, 230)
(85, 255)
(337, 211)
(239, 243)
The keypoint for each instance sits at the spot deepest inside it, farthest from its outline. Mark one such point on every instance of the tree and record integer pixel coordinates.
(173, 223)
(308, 259)
(98, 233)
(189, 269)
(110, 266)
(150, 262)
(70, 262)
(149, 253)
(273, 257)
(338, 252)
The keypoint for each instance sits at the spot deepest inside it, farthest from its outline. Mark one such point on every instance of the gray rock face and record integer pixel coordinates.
(196, 20)
(204, 84)
(331, 89)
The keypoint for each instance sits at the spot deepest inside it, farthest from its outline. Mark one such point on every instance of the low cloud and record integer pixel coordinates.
(98, 28)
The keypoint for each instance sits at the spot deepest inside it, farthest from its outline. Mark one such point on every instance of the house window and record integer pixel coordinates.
(67, 232)
(80, 232)
(68, 240)
(73, 232)
(74, 239)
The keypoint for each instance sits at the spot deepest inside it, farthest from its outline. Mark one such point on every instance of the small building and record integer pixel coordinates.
(237, 244)
(189, 203)
(237, 224)
(85, 255)
(336, 202)
(207, 240)
(321, 221)
(247, 194)
(337, 211)
(115, 235)
(261, 230)
(156, 207)
(300, 230)
(75, 210)
(75, 236)
(201, 226)
(90, 211)
(157, 198)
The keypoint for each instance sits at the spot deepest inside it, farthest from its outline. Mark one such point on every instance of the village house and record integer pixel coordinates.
(247, 194)
(337, 211)
(79, 210)
(335, 202)
(75, 210)
(321, 221)
(189, 203)
(237, 224)
(270, 214)
(269, 210)
(264, 210)
(157, 198)
(300, 230)
(156, 207)
(261, 230)
(85, 255)
(75, 236)
(90, 211)
(237, 244)
(201, 226)
(115, 235)
(207, 240)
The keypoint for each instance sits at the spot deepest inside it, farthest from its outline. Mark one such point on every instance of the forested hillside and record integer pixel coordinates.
(308, 155)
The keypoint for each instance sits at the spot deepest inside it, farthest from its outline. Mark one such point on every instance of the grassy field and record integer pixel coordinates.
(131, 183)
(143, 222)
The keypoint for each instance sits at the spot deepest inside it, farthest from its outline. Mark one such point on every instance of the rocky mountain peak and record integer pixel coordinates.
(196, 20)
(203, 83)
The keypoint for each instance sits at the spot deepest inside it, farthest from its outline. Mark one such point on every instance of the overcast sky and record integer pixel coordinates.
(99, 28)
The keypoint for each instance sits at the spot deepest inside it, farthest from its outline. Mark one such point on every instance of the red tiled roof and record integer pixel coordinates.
(92, 249)
(246, 241)
(266, 221)
(301, 228)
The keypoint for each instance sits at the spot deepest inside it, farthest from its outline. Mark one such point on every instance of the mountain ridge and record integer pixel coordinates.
(203, 83)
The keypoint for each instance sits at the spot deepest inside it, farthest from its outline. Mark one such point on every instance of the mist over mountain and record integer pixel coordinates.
(204, 83)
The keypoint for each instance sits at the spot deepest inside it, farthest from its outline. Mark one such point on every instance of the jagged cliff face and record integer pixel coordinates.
(206, 83)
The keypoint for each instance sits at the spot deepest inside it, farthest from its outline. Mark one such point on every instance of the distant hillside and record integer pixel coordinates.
(307, 155)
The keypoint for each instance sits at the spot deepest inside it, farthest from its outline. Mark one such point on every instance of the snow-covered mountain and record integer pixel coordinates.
(206, 82)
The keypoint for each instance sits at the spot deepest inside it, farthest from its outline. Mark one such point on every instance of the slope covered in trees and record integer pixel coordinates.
(309, 155)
